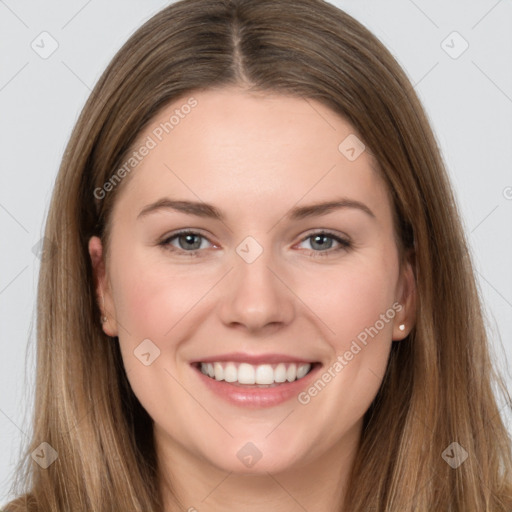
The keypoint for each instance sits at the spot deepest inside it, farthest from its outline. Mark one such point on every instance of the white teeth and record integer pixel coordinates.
(291, 373)
(219, 371)
(246, 374)
(265, 374)
(230, 373)
(280, 373)
(302, 370)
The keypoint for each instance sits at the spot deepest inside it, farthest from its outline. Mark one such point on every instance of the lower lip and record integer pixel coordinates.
(255, 397)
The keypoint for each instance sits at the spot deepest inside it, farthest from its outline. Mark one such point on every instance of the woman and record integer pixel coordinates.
(322, 346)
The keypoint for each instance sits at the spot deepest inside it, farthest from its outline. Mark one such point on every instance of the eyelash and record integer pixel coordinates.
(344, 244)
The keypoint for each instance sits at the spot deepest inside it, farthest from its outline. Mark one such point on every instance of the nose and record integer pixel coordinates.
(256, 296)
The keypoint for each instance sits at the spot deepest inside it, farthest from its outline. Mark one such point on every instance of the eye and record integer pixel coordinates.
(188, 242)
(191, 242)
(322, 242)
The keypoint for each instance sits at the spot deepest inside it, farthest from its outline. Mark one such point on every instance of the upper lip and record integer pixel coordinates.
(255, 359)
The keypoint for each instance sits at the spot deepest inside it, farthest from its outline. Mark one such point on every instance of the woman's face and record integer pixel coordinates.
(269, 284)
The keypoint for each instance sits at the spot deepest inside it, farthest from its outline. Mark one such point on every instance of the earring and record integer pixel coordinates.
(104, 317)
(402, 327)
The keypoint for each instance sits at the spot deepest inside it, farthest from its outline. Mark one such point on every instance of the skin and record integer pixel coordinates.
(253, 156)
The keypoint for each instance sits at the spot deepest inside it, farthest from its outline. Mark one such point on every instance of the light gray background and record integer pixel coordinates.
(468, 100)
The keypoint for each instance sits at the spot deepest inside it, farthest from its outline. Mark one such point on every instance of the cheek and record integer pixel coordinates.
(353, 298)
(154, 303)
(151, 298)
(359, 313)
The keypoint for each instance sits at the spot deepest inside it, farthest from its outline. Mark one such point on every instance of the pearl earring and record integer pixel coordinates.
(104, 317)
(401, 327)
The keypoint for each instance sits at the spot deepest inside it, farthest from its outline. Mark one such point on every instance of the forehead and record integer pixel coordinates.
(251, 150)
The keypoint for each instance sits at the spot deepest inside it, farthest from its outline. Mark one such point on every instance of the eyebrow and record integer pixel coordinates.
(206, 210)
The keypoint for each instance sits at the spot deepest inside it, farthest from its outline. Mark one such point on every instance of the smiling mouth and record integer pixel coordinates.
(249, 375)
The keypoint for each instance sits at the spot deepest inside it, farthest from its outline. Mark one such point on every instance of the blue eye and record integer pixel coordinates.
(319, 240)
(186, 240)
(190, 243)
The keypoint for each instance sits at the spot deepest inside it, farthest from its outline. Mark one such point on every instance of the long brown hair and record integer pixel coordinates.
(438, 388)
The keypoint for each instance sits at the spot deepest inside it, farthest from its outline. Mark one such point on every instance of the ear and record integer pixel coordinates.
(102, 286)
(406, 296)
